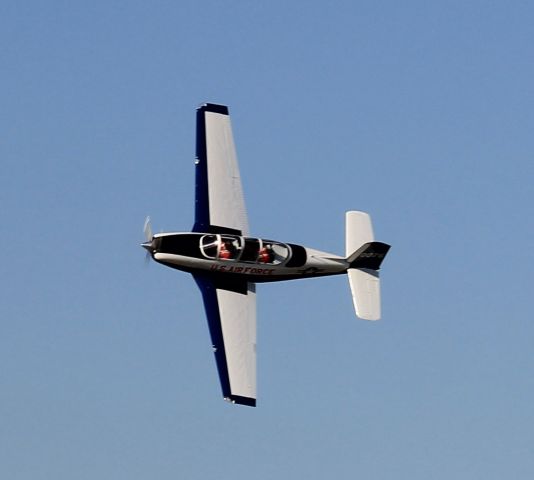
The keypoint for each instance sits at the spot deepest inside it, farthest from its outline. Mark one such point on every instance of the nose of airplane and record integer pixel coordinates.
(150, 249)
(148, 246)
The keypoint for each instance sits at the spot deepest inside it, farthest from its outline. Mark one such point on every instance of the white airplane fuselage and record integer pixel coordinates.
(244, 258)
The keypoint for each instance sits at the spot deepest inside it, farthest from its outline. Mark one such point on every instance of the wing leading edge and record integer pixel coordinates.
(232, 325)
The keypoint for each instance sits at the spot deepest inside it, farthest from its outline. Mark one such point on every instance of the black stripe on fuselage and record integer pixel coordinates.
(228, 280)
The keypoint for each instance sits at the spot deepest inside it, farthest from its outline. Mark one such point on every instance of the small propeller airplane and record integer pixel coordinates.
(226, 262)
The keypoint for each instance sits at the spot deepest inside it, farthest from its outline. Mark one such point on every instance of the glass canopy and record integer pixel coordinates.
(241, 249)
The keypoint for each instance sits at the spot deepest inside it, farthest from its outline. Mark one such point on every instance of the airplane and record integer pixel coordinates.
(227, 262)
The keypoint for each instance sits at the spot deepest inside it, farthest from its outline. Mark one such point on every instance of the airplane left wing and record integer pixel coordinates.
(232, 323)
(219, 202)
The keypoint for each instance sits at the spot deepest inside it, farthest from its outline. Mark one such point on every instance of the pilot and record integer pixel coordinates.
(225, 252)
(266, 254)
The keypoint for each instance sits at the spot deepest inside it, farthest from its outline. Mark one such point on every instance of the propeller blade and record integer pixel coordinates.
(147, 229)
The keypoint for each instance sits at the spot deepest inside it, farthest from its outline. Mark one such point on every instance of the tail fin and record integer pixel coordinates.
(365, 257)
(369, 255)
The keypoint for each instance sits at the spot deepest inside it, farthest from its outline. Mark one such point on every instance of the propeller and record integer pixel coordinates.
(147, 230)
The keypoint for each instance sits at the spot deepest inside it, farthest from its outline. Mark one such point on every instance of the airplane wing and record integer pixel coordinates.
(232, 323)
(220, 208)
(219, 202)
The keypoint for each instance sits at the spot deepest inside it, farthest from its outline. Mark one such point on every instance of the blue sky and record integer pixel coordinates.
(420, 113)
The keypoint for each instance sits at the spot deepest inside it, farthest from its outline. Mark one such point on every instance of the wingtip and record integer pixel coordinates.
(249, 402)
(214, 108)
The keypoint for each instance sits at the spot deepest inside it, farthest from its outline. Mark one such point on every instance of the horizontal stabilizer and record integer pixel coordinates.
(365, 288)
(358, 230)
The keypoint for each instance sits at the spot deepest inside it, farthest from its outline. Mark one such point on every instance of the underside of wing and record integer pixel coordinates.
(231, 313)
(219, 202)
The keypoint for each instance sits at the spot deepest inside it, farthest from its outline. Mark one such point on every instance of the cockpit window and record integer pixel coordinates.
(273, 252)
(230, 247)
(221, 247)
(264, 251)
(210, 245)
(253, 250)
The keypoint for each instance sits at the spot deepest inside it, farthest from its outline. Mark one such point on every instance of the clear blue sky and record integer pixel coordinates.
(421, 113)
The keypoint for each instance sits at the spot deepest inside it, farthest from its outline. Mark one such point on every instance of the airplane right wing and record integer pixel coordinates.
(231, 312)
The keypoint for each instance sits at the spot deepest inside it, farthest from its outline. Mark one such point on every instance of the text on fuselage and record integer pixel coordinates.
(245, 270)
